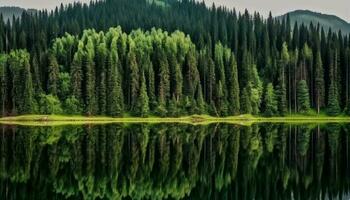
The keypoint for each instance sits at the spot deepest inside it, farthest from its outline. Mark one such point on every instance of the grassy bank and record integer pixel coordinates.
(195, 119)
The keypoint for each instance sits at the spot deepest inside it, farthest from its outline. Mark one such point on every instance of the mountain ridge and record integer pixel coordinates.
(325, 20)
(9, 11)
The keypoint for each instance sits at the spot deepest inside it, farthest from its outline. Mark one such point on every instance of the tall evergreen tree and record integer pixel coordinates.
(3, 84)
(53, 75)
(281, 89)
(303, 97)
(234, 87)
(270, 101)
(319, 82)
(143, 101)
(89, 79)
(333, 106)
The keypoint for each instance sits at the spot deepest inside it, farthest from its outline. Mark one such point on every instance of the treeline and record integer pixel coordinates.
(175, 161)
(280, 69)
(114, 73)
(154, 73)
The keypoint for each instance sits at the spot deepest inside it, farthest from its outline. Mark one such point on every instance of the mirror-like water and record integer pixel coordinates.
(174, 161)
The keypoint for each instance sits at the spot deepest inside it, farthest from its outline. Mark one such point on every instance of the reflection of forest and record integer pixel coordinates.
(175, 162)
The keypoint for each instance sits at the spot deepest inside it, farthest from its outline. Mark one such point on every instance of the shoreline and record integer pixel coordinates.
(47, 120)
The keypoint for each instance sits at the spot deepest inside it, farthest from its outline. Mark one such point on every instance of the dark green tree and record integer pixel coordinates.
(270, 101)
(303, 97)
(53, 74)
(143, 101)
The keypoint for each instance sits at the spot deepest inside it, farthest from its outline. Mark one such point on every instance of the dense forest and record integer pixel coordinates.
(174, 58)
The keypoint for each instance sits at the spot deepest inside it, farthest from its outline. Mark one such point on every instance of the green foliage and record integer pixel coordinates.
(143, 101)
(319, 83)
(64, 85)
(270, 102)
(246, 106)
(49, 104)
(53, 75)
(333, 107)
(281, 90)
(71, 106)
(303, 97)
(234, 91)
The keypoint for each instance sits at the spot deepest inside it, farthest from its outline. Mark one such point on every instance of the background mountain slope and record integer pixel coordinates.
(326, 21)
(9, 12)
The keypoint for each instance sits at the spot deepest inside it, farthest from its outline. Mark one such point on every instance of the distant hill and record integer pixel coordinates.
(327, 21)
(9, 12)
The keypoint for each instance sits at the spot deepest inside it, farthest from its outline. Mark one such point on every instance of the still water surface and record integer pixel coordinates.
(175, 161)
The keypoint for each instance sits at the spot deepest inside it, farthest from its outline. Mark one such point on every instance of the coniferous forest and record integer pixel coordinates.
(174, 58)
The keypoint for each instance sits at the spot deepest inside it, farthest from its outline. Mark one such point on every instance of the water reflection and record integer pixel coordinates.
(139, 161)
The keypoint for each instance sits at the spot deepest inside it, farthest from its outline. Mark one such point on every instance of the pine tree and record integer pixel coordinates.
(164, 83)
(270, 102)
(101, 77)
(53, 75)
(114, 94)
(211, 81)
(347, 79)
(303, 97)
(281, 90)
(89, 86)
(36, 74)
(76, 74)
(29, 105)
(200, 101)
(256, 89)
(134, 79)
(234, 87)
(319, 82)
(333, 106)
(151, 87)
(192, 74)
(3, 85)
(246, 106)
(143, 101)
(221, 104)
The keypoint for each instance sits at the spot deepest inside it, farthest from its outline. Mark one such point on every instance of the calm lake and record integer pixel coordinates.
(175, 161)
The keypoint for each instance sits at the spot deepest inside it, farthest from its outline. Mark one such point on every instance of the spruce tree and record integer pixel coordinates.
(221, 104)
(89, 91)
(270, 101)
(53, 75)
(29, 105)
(281, 90)
(114, 90)
(200, 101)
(303, 97)
(77, 74)
(333, 106)
(234, 87)
(246, 106)
(319, 82)
(164, 82)
(101, 57)
(3, 85)
(134, 79)
(143, 101)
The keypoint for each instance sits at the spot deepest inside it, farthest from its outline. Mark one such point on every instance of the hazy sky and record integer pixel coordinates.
(340, 8)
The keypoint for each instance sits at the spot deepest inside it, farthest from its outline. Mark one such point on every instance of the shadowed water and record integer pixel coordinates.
(140, 161)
